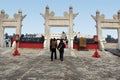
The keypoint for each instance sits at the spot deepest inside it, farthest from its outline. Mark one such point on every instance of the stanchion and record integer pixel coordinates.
(16, 52)
(96, 54)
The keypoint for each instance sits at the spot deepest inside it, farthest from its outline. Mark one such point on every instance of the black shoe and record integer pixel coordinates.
(51, 60)
(61, 60)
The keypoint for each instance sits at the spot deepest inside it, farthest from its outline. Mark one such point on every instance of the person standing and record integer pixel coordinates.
(61, 47)
(53, 48)
(63, 36)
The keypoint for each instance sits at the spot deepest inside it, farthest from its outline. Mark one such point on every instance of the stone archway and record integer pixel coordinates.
(61, 21)
(6, 22)
(102, 23)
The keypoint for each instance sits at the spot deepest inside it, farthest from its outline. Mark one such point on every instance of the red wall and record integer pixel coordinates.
(31, 45)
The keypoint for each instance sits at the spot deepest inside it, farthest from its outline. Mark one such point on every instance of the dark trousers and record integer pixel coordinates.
(53, 51)
(61, 55)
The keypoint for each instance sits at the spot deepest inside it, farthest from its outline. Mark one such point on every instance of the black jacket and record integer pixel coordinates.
(61, 47)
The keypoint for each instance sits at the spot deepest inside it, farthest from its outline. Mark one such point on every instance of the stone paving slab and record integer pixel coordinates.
(114, 51)
(35, 64)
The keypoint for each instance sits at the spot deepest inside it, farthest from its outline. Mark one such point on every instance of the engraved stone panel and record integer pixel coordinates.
(109, 25)
(9, 24)
(58, 23)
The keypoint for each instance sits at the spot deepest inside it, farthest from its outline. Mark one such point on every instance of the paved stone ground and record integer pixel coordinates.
(35, 64)
(114, 51)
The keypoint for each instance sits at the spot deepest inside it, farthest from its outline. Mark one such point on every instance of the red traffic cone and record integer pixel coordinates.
(16, 53)
(96, 54)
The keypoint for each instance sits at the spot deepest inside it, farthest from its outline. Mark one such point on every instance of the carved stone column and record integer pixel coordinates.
(118, 30)
(19, 18)
(2, 15)
(71, 18)
(47, 28)
(99, 30)
(2, 37)
(70, 27)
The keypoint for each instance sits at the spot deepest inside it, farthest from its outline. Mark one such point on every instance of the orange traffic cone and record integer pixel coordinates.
(96, 54)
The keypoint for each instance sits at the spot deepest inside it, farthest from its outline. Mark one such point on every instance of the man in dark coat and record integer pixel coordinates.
(53, 48)
(61, 47)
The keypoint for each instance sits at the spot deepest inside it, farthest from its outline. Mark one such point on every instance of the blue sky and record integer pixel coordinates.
(33, 23)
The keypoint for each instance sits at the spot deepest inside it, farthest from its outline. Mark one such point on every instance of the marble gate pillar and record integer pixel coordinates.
(19, 25)
(99, 30)
(2, 16)
(118, 31)
(2, 37)
(47, 27)
(19, 18)
(70, 43)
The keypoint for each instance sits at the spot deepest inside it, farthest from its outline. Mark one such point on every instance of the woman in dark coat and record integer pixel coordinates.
(61, 47)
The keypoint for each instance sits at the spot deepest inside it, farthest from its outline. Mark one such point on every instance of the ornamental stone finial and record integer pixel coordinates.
(119, 12)
(47, 7)
(2, 11)
(71, 10)
(19, 11)
(97, 12)
(70, 7)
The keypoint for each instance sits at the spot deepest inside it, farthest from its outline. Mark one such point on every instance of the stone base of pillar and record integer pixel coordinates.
(101, 46)
(3, 44)
(45, 44)
(71, 44)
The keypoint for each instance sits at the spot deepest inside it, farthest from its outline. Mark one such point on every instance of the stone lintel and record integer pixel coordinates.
(57, 25)
(9, 24)
(58, 18)
(58, 22)
(10, 20)
(110, 26)
(110, 21)
(12, 26)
